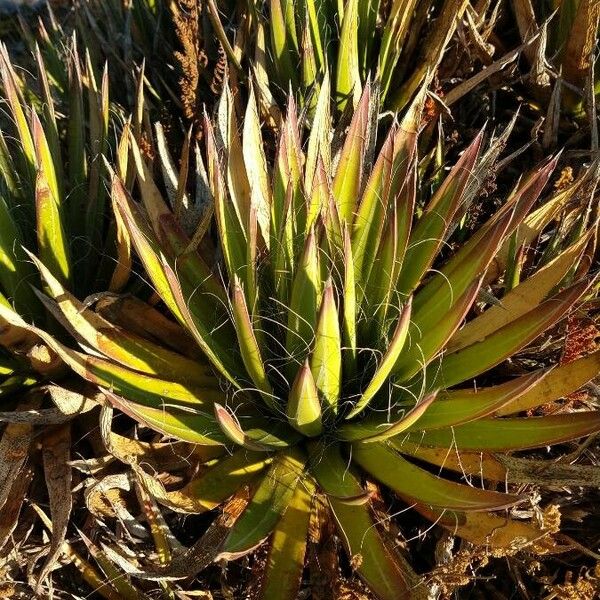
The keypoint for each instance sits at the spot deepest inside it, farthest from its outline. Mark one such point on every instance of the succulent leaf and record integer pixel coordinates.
(415, 484)
(287, 550)
(269, 502)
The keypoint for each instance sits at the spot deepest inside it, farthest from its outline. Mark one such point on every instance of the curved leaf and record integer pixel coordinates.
(386, 572)
(285, 560)
(220, 481)
(430, 231)
(192, 427)
(520, 299)
(249, 348)
(245, 426)
(414, 484)
(378, 428)
(126, 348)
(426, 343)
(461, 406)
(507, 434)
(268, 504)
(387, 362)
(504, 342)
(560, 382)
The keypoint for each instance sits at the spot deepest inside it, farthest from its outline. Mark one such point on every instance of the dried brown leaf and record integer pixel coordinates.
(9, 514)
(14, 448)
(194, 559)
(56, 451)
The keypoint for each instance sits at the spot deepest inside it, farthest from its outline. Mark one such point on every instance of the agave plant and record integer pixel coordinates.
(352, 39)
(343, 343)
(53, 203)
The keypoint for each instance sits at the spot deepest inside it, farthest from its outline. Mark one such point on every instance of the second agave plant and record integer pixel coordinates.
(337, 342)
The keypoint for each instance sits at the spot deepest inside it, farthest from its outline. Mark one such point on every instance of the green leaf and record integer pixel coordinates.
(253, 431)
(76, 142)
(170, 290)
(380, 298)
(139, 387)
(508, 434)
(368, 13)
(282, 42)
(387, 363)
(395, 32)
(223, 479)
(310, 76)
(348, 176)
(288, 203)
(98, 103)
(319, 147)
(368, 223)
(50, 121)
(216, 345)
(431, 230)
(8, 170)
(303, 406)
(195, 428)
(53, 244)
(287, 550)
(348, 73)
(229, 145)
(350, 311)
(268, 504)
(455, 407)
(229, 223)
(385, 572)
(504, 342)
(378, 428)
(249, 348)
(442, 292)
(305, 300)
(517, 208)
(426, 343)
(318, 18)
(44, 157)
(326, 359)
(15, 271)
(521, 299)
(413, 484)
(126, 348)
(256, 167)
(146, 246)
(9, 82)
(389, 182)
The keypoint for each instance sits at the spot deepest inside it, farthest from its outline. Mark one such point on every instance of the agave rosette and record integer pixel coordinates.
(331, 350)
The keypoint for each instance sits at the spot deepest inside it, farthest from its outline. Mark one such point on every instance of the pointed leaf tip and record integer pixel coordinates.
(304, 408)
